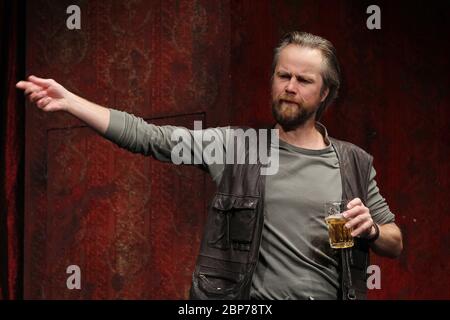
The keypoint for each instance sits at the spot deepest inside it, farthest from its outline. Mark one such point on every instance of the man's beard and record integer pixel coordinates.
(289, 118)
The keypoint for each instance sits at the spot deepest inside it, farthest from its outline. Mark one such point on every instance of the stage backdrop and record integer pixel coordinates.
(132, 224)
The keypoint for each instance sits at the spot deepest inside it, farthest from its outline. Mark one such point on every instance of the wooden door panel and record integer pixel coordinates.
(132, 224)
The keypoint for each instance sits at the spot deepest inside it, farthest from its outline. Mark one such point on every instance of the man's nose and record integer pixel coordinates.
(291, 86)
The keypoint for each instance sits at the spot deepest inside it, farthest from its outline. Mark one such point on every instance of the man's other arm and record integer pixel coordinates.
(389, 242)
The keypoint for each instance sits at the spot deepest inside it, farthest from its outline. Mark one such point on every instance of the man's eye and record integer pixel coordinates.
(284, 76)
(304, 80)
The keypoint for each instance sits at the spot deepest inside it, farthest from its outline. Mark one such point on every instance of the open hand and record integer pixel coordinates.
(47, 94)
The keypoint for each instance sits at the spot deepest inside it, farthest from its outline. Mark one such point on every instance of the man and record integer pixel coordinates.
(267, 238)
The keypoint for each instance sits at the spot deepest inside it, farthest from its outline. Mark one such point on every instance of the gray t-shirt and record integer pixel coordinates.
(296, 261)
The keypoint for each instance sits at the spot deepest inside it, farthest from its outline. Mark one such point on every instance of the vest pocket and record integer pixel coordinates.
(234, 222)
(218, 283)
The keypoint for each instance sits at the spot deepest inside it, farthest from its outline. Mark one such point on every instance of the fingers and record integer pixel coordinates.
(42, 103)
(21, 85)
(29, 87)
(40, 81)
(355, 206)
(363, 229)
(358, 220)
(353, 212)
(34, 84)
(361, 221)
(37, 91)
(354, 202)
(32, 88)
(35, 96)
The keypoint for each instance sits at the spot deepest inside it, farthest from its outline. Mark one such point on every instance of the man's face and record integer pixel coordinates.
(296, 86)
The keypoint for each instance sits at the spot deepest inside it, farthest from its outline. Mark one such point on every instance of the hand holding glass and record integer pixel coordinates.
(340, 236)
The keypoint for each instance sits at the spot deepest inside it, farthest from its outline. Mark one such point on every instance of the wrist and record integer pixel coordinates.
(70, 103)
(374, 233)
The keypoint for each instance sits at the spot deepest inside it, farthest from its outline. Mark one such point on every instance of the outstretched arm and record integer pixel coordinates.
(126, 130)
(50, 96)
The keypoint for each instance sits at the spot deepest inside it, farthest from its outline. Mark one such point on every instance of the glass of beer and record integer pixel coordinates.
(340, 237)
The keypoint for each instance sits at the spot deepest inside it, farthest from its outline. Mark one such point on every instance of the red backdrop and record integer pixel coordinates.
(132, 224)
(12, 155)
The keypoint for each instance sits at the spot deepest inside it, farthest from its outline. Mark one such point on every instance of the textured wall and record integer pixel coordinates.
(133, 225)
(123, 218)
(394, 103)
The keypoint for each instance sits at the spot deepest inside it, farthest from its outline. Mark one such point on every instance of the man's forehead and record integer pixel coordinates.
(300, 60)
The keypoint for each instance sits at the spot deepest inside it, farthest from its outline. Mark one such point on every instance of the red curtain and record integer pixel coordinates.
(12, 155)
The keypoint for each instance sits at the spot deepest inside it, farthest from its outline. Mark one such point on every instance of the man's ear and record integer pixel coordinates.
(324, 94)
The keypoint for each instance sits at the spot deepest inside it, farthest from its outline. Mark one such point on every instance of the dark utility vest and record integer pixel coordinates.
(232, 236)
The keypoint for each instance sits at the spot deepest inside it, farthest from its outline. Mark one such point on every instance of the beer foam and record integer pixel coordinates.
(335, 216)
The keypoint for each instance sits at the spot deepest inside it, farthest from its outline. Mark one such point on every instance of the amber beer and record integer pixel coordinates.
(340, 237)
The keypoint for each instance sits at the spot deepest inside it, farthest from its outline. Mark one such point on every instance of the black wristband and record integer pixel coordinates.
(377, 233)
